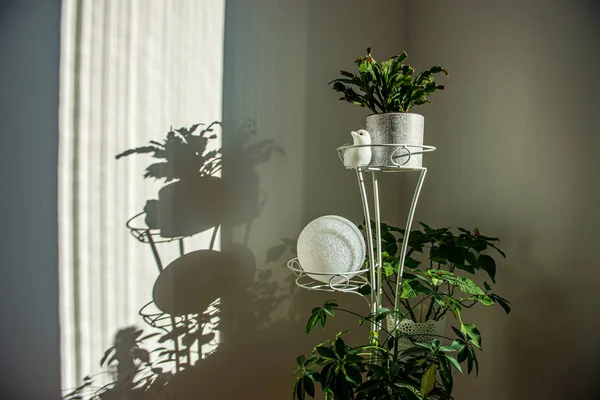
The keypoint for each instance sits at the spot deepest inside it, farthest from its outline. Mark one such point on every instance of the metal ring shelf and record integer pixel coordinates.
(348, 284)
(406, 150)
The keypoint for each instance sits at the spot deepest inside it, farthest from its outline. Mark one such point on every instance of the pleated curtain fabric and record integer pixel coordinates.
(130, 70)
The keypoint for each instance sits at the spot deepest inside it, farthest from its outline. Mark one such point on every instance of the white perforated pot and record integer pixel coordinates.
(416, 331)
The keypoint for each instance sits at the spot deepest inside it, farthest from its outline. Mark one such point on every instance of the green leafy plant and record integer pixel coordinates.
(438, 279)
(439, 265)
(387, 86)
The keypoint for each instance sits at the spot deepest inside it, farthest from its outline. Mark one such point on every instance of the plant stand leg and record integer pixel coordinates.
(214, 237)
(154, 251)
(372, 266)
(379, 294)
(409, 220)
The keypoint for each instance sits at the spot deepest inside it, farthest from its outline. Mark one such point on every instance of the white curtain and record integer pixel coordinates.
(130, 70)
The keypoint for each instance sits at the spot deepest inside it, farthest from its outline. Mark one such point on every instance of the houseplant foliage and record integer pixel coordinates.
(437, 280)
(387, 86)
(389, 89)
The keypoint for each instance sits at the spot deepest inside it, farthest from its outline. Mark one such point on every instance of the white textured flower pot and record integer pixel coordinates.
(396, 128)
(417, 331)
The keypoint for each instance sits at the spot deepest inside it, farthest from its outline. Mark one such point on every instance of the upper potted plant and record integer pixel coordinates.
(390, 89)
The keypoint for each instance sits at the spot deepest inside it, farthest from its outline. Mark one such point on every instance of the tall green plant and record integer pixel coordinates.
(437, 279)
(438, 269)
(387, 86)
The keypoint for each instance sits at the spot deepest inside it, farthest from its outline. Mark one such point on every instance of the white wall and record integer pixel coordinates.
(29, 61)
(516, 133)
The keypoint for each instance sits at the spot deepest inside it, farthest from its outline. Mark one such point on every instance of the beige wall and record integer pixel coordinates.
(516, 133)
(516, 157)
(279, 57)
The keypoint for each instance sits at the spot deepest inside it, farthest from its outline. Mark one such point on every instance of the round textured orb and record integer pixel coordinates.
(331, 245)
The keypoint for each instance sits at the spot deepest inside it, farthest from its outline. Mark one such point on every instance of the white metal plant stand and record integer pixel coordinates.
(398, 159)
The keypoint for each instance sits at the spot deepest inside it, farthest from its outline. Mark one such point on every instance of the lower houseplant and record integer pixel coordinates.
(394, 364)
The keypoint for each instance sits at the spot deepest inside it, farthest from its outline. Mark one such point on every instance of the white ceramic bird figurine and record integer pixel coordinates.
(358, 156)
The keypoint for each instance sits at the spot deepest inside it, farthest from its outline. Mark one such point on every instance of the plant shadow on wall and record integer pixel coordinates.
(203, 297)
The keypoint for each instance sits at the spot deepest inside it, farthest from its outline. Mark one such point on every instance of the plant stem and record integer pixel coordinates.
(470, 305)
(392, 290)
(439, 313)
(387, 296)
(408, 307)
(430, 309)
(349, 312)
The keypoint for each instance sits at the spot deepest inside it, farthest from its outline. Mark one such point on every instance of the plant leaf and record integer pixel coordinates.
(353, 375)
(413, 288)
(487, 264)
(309, 386)
(473, 334)
(340, 347)
(299, 391)
(428, 380)
(326, 352)
(453, 362)
(505, 304)
(483, 299)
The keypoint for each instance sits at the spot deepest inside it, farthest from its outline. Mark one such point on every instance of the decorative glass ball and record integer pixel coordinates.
(331, 245)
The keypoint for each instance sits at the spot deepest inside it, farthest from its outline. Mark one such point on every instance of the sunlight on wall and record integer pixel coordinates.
(130, 70)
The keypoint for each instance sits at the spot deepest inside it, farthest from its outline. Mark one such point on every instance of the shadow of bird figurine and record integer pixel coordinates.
(358, 156)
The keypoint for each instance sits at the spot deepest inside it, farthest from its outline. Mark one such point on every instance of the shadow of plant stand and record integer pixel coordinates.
(187, 326)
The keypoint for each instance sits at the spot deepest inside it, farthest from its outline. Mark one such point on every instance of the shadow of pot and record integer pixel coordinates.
(190, 206)
(195, 280)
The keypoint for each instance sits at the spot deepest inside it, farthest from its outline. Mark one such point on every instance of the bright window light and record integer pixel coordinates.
(130, 71)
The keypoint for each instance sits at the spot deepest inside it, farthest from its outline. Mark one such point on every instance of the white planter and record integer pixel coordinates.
(396, 128)
(417, 331)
